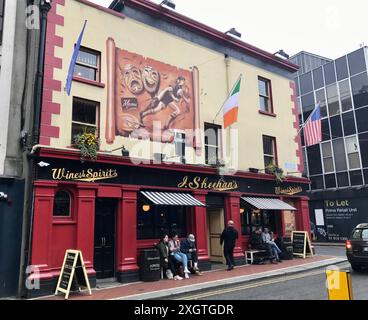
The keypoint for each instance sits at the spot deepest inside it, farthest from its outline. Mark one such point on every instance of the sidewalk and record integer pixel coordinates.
(211, 279)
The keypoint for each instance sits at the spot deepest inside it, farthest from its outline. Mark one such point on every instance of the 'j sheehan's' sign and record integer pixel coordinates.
(204, 183)
(88, 175)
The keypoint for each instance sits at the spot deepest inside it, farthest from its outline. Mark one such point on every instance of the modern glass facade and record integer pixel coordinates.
(341, 87)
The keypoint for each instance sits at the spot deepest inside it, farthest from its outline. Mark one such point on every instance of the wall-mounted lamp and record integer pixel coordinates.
(282, 53)
(242, 210)
(234, 32)
(146, 207)
(168, 3)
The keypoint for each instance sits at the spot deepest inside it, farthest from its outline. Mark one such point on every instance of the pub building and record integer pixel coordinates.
(111, 208)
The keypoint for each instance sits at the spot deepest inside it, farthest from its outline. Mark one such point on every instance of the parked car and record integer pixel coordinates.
(357, 247)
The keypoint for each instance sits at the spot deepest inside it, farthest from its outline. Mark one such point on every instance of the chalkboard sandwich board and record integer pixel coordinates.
(301, 244)
(73, 269)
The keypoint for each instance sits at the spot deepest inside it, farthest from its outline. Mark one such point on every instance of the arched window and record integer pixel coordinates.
(62, 204)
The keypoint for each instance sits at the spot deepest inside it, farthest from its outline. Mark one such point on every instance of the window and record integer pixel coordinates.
(160, 220)
(85, 115)
(330, 181)
(269, 151)
(62, 203)
(211, 142)
(360, 234)
(329, 69)
(307, 105)
(339, 154)
(352, 152)
(356, 61)
(342, 179)
(320, 97)
(359, 87)
(328, 164)
(265, 98)
(314, 160)
(361, 118)
(349, 123)
(317, 182)
(305, 162)
(345, 97)
(297, 86)
(336, 127)
(179, 142)
(325, 130)
(2, 8)
(333, 100)
(87, 65)
(306, 84)
(253, 218)
(318, 78)
(363, 143)
(342, 68)
(356, 178)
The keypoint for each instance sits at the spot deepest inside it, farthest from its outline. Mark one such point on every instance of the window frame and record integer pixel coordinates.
(97, 124)
(357, 151)
(71, 216)
(327, 157)
(96, 68)
(274, 147)
(270, 109)
(218, 147)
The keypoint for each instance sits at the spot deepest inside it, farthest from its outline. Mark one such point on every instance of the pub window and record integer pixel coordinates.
(62, 204)
(328, 164)
(155, 221)
(251, 219)
(265, 98)
(269, 151)
(211, 142)
(84, 119)
(352, 151)
(2, 8)
(87, 64)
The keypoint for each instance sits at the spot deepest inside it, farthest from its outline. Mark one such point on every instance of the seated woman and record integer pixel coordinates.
(165, 261)
(174, 247)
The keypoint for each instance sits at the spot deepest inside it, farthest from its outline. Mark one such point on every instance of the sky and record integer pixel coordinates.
(329, 28)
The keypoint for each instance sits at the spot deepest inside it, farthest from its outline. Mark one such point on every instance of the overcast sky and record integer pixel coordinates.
(330, 28)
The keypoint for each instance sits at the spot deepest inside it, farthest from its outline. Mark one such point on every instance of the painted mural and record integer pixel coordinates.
(144, 92)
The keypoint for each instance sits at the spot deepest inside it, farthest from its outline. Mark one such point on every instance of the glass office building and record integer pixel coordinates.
(338, 166)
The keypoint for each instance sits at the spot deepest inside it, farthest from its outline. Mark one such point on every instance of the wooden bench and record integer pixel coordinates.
(249, 255)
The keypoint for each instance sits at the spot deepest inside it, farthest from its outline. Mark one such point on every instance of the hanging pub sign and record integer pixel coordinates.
(301, 244)
(72, 271)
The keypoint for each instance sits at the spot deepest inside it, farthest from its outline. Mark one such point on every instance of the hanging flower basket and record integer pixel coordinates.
(277, 172)
(88, 143)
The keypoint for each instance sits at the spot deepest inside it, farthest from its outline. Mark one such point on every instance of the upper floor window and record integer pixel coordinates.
(87, 65)
(352, 152)
(269, 151)
(2, 8)
(265, 97)
(62, 204)
(85, 117)
(179, 142)
(211, 142)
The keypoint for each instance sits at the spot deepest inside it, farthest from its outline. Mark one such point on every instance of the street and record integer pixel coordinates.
(302, 286)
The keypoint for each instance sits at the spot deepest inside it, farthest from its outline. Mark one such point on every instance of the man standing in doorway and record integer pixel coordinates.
(228, 238)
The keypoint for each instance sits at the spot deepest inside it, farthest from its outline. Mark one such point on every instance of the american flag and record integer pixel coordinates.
(312, 128)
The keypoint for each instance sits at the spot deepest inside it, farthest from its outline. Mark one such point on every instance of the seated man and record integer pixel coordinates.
(189, 247)
(258, 243)
(267, 239)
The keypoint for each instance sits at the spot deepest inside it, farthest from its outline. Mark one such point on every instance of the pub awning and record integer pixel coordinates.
(172, 199)
(268, 203)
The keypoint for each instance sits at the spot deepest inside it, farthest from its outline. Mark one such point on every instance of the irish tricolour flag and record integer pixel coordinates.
(231, 106)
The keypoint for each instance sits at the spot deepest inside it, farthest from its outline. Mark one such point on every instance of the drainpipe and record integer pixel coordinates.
(45, 7)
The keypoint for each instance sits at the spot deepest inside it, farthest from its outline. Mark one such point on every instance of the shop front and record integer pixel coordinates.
(111, 209)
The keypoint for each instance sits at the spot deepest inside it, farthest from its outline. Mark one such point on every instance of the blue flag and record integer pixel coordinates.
(69, 79)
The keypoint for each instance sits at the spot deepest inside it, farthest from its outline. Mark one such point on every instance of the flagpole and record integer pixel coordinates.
(228, 95)
(305, 122)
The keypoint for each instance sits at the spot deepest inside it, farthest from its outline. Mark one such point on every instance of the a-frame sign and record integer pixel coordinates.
(301, 244)
(73, 270)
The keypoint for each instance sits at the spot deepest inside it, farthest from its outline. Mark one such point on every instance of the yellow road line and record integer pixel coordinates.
(249, 286)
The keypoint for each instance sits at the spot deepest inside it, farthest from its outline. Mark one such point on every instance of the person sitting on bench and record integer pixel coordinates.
(267, 238)
(258, 243)
(174, 246)
(189, 247)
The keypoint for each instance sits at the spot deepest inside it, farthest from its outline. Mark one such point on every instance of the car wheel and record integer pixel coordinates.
(356, 267)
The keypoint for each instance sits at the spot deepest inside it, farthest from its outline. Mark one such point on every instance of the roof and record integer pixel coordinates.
(209, 32)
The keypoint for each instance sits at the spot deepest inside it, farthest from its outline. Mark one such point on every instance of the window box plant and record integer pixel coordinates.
(88, 143)
(276, 171)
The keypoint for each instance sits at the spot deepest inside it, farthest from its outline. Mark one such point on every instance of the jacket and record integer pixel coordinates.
(186, 245)
(163, 249)
(228, 237)
(256, 239)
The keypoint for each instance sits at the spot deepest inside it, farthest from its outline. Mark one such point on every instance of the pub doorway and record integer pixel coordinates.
(215, 226)
(105, 237)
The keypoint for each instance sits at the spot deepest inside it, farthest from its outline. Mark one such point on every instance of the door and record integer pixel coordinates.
(215, 218)
(105, 226)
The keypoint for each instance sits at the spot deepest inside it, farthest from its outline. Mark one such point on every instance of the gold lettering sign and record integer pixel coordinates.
(88, 175)
(203, 183)
(288, 191)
